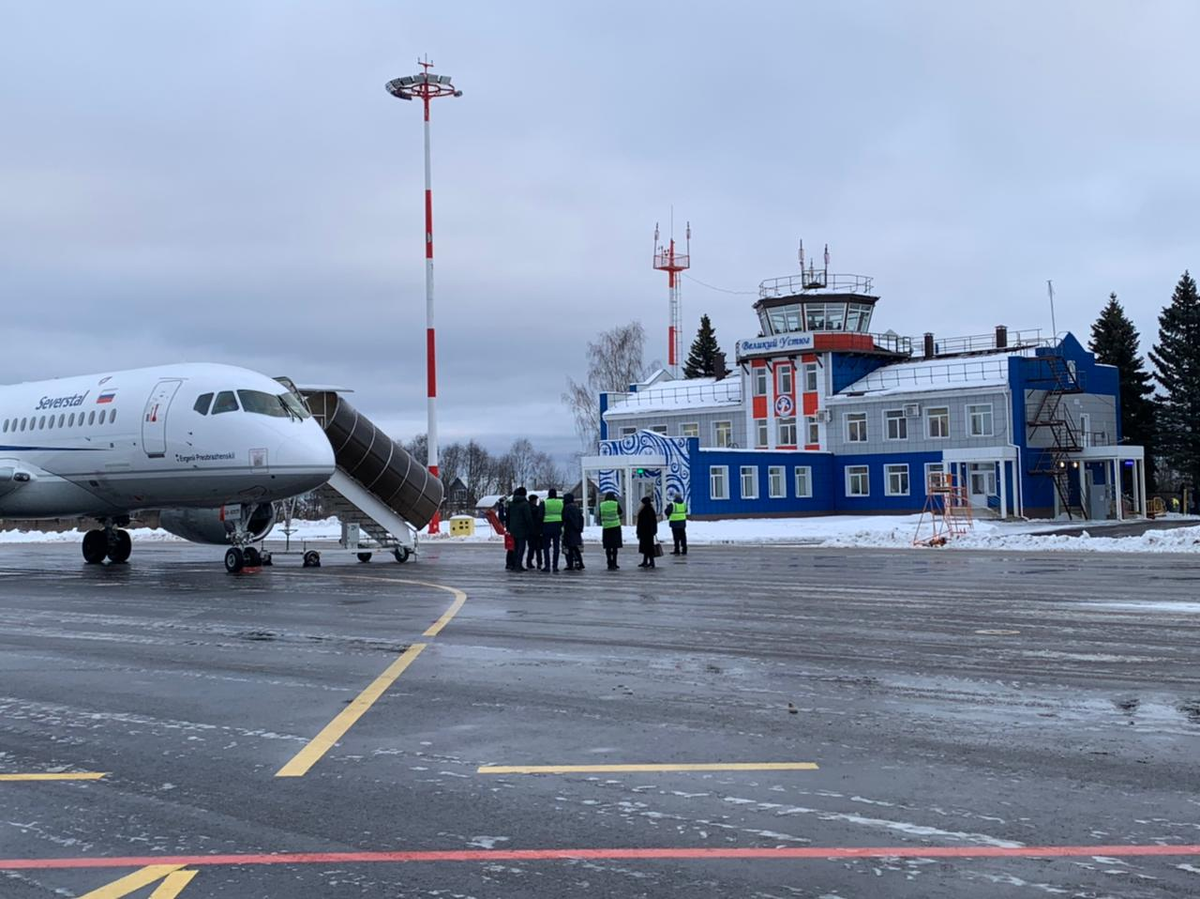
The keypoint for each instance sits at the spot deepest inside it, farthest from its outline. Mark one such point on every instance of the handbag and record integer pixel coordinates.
(658, 550)
(510, 542)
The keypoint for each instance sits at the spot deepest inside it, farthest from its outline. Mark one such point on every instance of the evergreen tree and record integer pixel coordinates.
(702, 358)
(1176, 357)
(1115, 342)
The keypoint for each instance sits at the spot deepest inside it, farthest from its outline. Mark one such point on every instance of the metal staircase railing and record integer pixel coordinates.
(1052, 415)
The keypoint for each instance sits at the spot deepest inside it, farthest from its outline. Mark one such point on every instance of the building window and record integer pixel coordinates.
(979, 420)
(777, 482)
(723, 433)
(895, 424)
(787, 431)
(718, 481)
(628, 431)
(895, 480)
(784, 374)
(814, 431)
(937, 421)
(689, 429)
(803, 481)
(858, 480)
(810, 377)
(749, 481)
(761, 436)
(659, 429)
(760, 381)
(935, 475)
(856, 427)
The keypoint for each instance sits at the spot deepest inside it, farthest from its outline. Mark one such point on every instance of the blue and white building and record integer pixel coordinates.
(821, 415)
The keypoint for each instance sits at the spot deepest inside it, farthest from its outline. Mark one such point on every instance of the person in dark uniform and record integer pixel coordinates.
(572, 517)
(647, 532)
(552, 523)
(536, 550)
(608, 514)
(520, 525)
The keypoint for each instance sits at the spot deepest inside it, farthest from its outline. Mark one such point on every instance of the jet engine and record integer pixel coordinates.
(216, 525)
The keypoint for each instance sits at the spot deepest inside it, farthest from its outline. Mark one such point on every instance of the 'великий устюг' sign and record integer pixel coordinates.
(778, 343)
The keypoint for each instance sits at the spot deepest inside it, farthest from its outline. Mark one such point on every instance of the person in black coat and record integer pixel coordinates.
(535, 535)
(520, 525)
(572, 532)
(647, 532)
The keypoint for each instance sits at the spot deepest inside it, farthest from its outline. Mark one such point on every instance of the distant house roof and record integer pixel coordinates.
(967, 372)
(671, 396)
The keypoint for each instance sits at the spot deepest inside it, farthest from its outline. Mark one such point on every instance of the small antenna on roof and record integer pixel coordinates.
(1053, 325)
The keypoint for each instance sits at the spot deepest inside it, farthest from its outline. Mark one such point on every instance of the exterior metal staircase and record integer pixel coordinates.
(1057, 379)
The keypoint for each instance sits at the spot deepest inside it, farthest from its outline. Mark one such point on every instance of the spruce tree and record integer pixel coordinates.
(702, 358)
(1115, 342)
(1176, 357)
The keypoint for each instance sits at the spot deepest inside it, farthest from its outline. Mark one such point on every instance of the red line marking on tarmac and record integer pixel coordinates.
(490, 855)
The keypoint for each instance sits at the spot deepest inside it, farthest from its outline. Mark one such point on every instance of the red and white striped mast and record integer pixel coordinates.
(428, 87)
(667, 260)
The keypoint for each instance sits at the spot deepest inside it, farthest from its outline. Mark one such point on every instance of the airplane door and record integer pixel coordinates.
(154, 419)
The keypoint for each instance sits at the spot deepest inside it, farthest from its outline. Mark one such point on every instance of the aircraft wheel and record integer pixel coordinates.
(252, 556)
(401, 553)
(364, 557)
(312, 559)
(95, 547)
(122, 547)
(235, 560)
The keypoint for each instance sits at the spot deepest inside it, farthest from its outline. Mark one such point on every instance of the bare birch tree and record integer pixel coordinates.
(614, 361)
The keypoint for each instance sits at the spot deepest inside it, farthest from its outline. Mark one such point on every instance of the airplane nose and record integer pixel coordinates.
(305, 452)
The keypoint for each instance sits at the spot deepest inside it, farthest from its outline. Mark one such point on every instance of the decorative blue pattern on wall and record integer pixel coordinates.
(644, 443)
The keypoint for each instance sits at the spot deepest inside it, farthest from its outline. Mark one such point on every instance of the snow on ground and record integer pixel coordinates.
(887, 531)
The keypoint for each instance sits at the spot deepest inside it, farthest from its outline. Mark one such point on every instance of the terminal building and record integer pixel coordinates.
(821, 415)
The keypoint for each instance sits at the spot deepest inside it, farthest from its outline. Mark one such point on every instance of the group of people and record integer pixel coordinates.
(539, 531)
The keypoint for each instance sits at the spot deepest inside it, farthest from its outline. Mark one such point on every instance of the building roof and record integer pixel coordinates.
(941, 373)
(671, 396)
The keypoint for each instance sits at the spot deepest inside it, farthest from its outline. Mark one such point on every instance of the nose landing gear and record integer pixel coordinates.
(242, 554)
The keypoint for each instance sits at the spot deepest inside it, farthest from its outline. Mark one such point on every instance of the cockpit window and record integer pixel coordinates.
(203, 403)
(260, 403)
(296, 405)
(226, 402)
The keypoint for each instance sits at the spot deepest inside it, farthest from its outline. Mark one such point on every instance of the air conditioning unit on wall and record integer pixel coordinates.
(822, 415)
(912, 410)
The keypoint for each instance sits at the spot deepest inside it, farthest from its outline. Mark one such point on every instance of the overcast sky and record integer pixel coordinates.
(228, 181)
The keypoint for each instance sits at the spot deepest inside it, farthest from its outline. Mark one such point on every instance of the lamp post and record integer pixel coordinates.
(428, 87)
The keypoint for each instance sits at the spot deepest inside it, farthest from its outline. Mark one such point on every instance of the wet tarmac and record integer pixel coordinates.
(957, 707)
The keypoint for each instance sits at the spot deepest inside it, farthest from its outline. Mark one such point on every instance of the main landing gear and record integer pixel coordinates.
(108, 542)
(242, 555)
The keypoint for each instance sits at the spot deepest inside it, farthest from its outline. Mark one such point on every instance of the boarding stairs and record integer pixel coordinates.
(377, 486)
(1052, 416)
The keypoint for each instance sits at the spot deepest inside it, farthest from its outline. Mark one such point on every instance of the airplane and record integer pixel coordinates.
(211, 447)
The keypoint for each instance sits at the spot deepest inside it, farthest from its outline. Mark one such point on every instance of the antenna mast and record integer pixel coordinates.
(667, 260)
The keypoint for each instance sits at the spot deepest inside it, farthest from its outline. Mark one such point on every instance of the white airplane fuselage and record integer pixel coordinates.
(110, 444)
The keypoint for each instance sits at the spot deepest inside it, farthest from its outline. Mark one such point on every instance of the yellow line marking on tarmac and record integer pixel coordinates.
(173, 884)
(336, 729)
(459, 599)
(131, 883)
(603, 769)
(86, 775)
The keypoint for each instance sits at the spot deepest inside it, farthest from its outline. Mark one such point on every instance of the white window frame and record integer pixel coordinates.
(855, 418)
(758, 378)
(930, 469)
(717, 433)
(811, 383)
(762, 434)
(781, 438)
(803, 482)
(777, 472)
(626, 430)
(784, 371)
(900, 469)
(863, 471)
(942, 412)
(659, 429)
(812, 428)
(991, 431)
(895, 415)
(715, 472)
(752, 471)
(692, 426)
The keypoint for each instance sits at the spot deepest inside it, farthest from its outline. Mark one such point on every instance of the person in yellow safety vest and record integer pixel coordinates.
(609, 514)
(552, 526)
(677, 517)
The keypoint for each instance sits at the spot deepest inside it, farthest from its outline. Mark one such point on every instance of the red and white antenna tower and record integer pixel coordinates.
(667, 260)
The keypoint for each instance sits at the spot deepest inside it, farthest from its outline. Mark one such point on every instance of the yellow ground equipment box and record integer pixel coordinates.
(462, 526)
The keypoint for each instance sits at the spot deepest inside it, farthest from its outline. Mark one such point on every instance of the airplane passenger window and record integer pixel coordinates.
(23, 420)
(203, 402)
(6, 426)
(226, 402)
(42, 424)
(100, 420)
(71, 421)
(62, 418)
(112, 416)
(260, 403)
(51, 421)
(92, 417)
